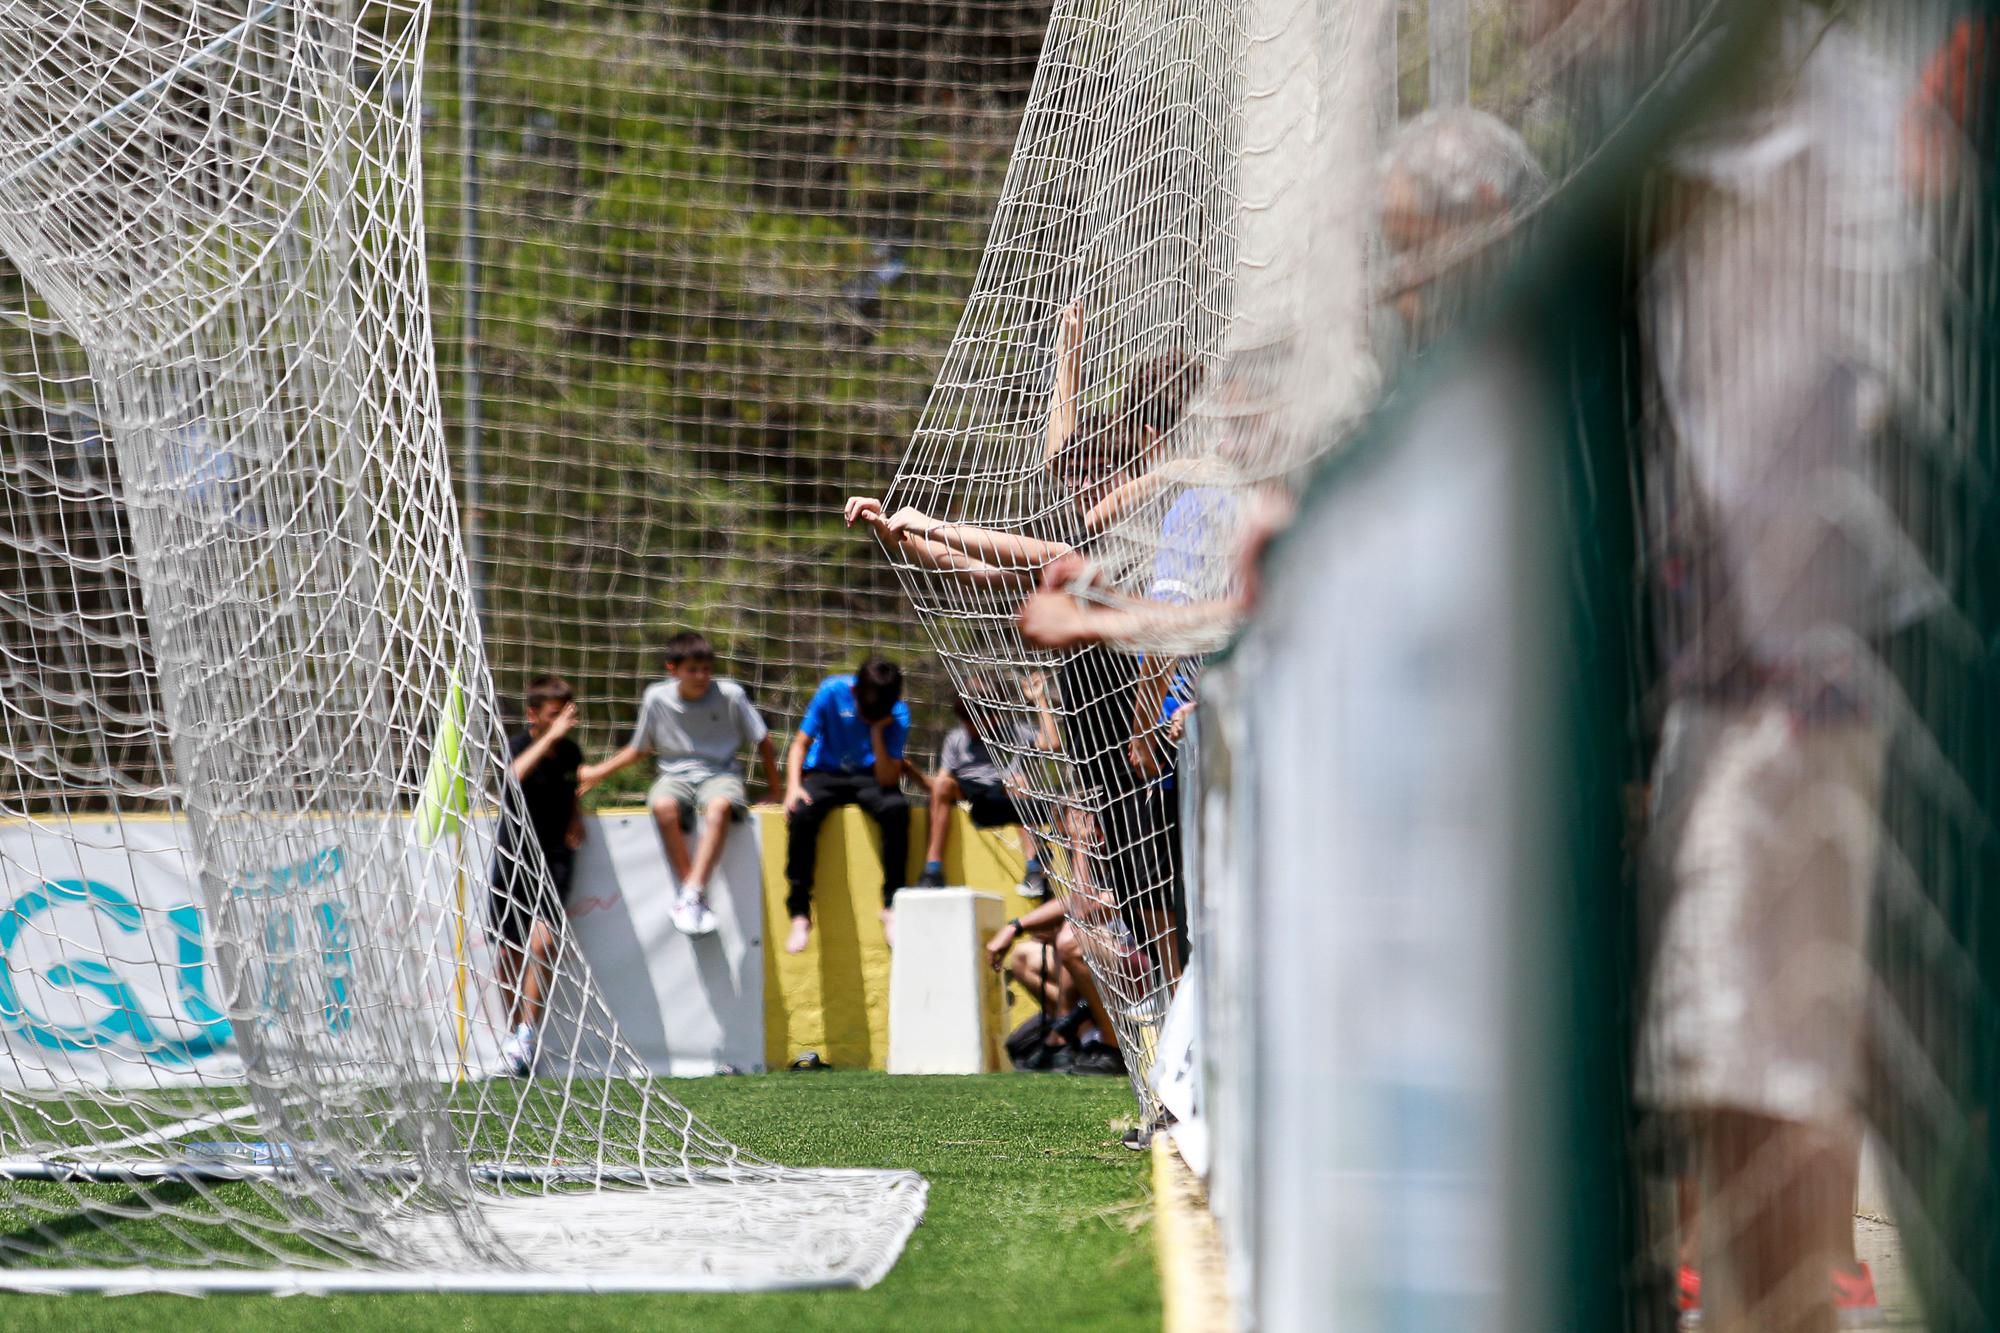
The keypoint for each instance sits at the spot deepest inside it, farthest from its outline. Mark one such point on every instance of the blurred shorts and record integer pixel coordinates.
(1766, 831)
(521, 897)
(992, 806)
(693, 797)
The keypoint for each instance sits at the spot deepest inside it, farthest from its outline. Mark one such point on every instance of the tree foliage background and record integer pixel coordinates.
(719, 250)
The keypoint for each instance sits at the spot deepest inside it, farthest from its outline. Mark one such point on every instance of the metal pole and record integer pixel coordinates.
(1388, 72)
(1451, 53)
(470, 388)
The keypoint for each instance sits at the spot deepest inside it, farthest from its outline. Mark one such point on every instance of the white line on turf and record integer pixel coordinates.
(173, 1131)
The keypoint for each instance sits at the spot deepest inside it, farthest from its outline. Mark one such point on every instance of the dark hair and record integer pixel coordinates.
(878, 684)
(962, 708)
(1158, 391)
(549, 690)
(687, 646)
(1093, 451)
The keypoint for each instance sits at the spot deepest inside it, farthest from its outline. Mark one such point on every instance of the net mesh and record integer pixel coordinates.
(243, 602)
(1765, 232)
(694, 269)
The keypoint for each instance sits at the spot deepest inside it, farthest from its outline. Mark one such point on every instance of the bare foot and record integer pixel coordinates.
(802, 927)
(889, 926)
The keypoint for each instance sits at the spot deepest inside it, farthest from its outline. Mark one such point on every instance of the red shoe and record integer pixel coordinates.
(1854, 1297)
(1689, 1297)
(1854, 1300)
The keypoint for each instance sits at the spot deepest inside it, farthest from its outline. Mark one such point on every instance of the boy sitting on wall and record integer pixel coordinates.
(848, 751)
(968, 772)
(695, 725)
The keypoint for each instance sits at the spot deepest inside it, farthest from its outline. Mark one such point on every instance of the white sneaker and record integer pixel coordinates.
(531, 1046)
(704, 923)
(688, 912)
(514, 1051)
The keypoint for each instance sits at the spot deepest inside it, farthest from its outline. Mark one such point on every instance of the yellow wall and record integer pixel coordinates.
(834, 997)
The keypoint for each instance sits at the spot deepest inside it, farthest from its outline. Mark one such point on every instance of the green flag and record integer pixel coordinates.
(443, 801)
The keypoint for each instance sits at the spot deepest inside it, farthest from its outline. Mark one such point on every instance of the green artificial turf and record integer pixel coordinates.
(1038, 1219)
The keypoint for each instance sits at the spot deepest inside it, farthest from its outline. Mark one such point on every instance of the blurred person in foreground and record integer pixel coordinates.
(1791, 309)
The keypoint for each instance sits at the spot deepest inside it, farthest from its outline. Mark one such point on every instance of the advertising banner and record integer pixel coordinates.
(108, 973)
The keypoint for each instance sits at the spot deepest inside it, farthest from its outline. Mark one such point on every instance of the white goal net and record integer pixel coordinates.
(1172, 317)
(242, 605)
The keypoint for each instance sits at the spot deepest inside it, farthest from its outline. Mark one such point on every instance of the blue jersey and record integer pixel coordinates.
(839, 737)
(1196, 531)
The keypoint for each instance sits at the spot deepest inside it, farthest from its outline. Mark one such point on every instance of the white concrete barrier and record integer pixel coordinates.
(944, 1000)
(687, 1007)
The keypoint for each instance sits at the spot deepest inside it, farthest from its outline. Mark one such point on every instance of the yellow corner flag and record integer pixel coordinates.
(444, 800)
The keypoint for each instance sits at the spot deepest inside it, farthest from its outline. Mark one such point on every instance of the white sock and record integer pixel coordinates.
(696, 890)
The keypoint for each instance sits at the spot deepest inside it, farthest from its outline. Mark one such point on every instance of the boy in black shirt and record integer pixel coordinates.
(544, 761)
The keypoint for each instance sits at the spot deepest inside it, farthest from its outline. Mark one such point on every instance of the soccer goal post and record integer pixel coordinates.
(245, 608)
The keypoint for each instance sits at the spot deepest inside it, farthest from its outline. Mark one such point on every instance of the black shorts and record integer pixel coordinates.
(520, 898)
(1141, 852)
(992, 804)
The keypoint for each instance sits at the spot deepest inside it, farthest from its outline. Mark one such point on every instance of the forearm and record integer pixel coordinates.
(936, 555)
(1063, 396)
(1010, 551)
(888, 771)
(524, 762)
(767, 754)
(795, 760)
(1124, 499)
(1048, 914)
(1130, 626)
(625, 757)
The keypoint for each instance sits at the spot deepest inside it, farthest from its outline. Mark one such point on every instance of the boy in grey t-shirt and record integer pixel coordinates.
(695, 726)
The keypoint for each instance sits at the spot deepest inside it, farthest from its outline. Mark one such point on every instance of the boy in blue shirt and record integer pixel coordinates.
(848, 751)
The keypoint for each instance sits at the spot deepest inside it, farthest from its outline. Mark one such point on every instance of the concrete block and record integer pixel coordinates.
(944, 1000)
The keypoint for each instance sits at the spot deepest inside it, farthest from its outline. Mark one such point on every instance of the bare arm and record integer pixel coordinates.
(938, 556)
(1008, 550)
(591, 774)
(525, 762)
(1069, 378)
(767, 754)
(888, 770)
(906, 534)
(1126, 497)
(1036, 691)
(1129, 495)
(1147, 699)
(1045, 917)
(1052, 619)
(795, 766)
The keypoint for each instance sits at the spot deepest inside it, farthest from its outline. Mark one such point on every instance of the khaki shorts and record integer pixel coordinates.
(1766, 844)
(694, 797)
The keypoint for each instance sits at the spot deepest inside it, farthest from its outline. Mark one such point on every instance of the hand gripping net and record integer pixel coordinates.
(243, 601)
